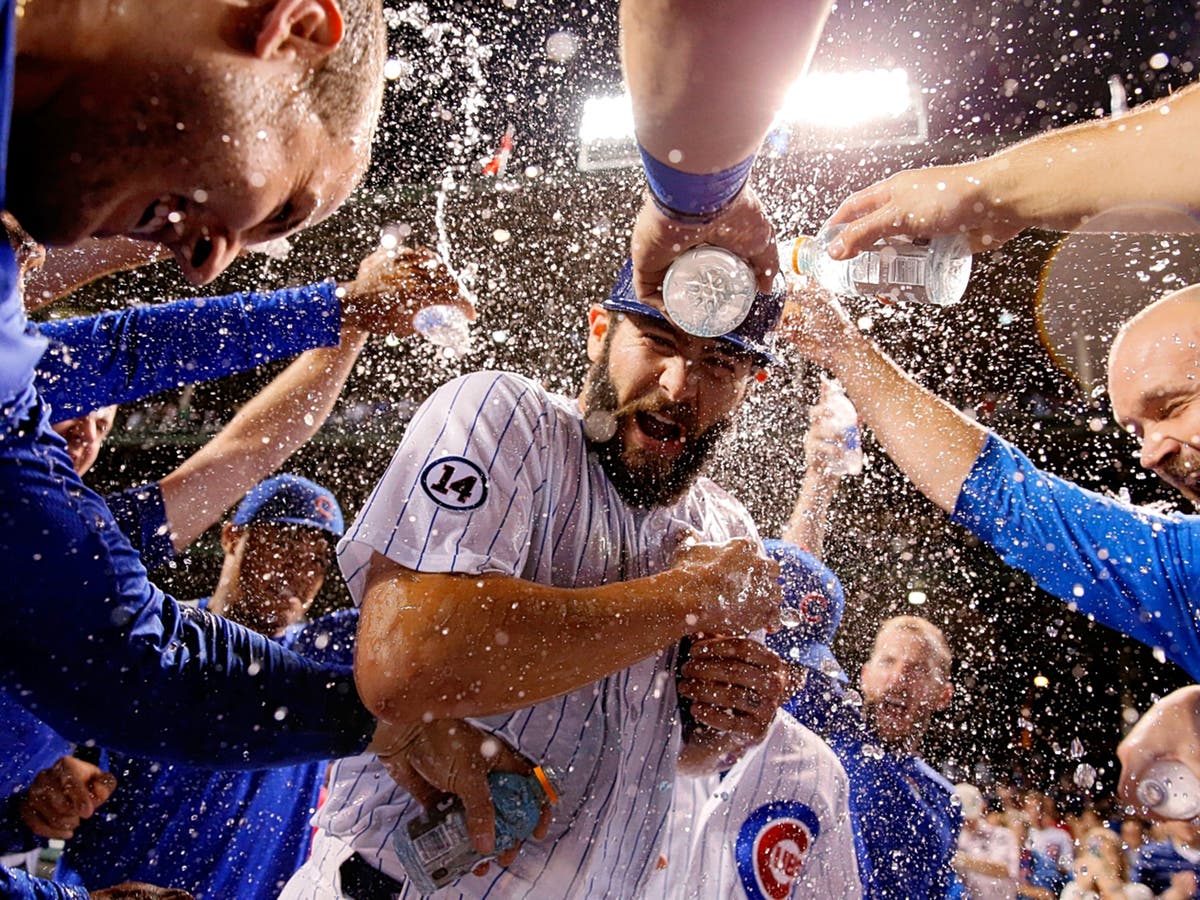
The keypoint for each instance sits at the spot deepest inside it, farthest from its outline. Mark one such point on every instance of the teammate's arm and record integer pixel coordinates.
(1123, 167)
(706, 79)
(932, 442)
(453, 646)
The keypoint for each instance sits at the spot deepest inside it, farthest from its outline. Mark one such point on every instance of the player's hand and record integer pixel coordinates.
(734, 586)
(136, 890)
(735, 685)
(1170, 729)
(817, 326)
(450, 756)
(393, 284)
(63, 795)
(926, 203)
(741, 227)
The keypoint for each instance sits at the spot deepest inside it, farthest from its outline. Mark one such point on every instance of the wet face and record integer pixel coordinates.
(279, 570)
(1154, 384)
(671, 396)
(85, 435)
(190, 167)
(903, 685)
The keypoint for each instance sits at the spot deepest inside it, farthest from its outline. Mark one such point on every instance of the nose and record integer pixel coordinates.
(205, 253)
(1157, 448)
(677, 378)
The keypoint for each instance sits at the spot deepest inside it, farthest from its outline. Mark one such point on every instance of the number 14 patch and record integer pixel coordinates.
(454, 483)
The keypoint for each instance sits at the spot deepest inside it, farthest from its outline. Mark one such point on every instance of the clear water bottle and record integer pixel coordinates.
(840, 421)
(895, 270)
(435, 847)
(444, 325)
(708, 291)
(1170, 789)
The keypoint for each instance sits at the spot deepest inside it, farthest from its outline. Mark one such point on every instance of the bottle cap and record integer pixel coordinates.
(799, 261)
(709, 291)
(547, 786)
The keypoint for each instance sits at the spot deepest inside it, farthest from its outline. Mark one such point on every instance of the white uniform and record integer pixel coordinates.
(494, 476)
(776, 825)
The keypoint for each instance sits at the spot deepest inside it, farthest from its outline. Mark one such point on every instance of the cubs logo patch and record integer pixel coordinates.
(454, 483)
(772, 848)
(323, 506)
(815, 607)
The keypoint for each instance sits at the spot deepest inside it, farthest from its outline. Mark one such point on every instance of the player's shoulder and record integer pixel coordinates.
(497, 392)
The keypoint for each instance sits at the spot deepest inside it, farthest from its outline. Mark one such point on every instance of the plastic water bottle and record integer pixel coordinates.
(895, 270)
(842, 421)
(435, 847)
(1170, 789)
(444, 325)
(708, 291)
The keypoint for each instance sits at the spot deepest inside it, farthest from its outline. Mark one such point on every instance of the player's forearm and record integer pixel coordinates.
(809, 521)
(707, 77)
(454, 646)
(67, 269)
(265, 432)
(932, 442)
(1120, 167)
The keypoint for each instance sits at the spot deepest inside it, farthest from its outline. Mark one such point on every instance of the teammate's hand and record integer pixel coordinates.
(817, 326)
(735, 685)
(393, 284)
(741, 227)
(136, 890)
(63, 795)
(926, 203)
(450, 756)
(1170, 729)
(734, 586)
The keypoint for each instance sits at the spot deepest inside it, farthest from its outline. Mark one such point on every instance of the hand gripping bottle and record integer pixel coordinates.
(435, 848)
(1170, 789)
(895, 270)
(840, 428)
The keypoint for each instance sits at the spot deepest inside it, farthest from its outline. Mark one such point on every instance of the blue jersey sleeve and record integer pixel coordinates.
(117, 357)
(17, 885)
(1130, 569)
(142, 516)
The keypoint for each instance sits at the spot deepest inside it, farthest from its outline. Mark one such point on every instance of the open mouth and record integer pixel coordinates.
(164, 211)
(659, 427)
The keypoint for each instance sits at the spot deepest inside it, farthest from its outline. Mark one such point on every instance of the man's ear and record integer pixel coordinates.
(947, 694)
(598, 323)
(230, 535)
(300, 29)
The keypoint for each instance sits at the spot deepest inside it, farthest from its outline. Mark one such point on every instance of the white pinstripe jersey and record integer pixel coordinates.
(494, 476)
(777, 825)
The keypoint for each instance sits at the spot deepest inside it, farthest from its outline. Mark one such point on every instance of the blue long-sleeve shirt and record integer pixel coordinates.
(1135, 571)
(118, 357)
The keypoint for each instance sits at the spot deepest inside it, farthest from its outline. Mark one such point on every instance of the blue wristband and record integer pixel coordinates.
(687, 197)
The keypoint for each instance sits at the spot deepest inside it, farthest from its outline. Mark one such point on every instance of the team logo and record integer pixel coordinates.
(323, 506)
(454, 483)
(772, 848)
(815, 607)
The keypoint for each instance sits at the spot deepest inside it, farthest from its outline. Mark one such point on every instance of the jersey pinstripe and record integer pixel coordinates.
(494, 476)
(776, 825)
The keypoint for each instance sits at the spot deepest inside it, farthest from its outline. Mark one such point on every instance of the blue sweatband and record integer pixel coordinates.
(687, 197)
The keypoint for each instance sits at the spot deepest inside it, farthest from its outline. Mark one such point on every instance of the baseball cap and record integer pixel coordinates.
(815, 593)
(752, 336)
(290, 500)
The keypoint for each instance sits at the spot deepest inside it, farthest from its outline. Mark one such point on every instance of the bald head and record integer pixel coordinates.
(1154, 384)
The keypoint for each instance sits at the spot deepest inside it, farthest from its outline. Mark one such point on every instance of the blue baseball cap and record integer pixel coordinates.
(815, 593)
(290, 500)
(750, 337)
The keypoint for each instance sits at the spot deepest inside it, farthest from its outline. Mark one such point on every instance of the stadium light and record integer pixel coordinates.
(845, 109)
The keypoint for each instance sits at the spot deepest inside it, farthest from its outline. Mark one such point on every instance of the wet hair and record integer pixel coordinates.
(349, 81)
(927, 631)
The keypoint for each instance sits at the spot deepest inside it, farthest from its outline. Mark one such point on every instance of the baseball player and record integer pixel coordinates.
(777, 823)
(539, 557)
